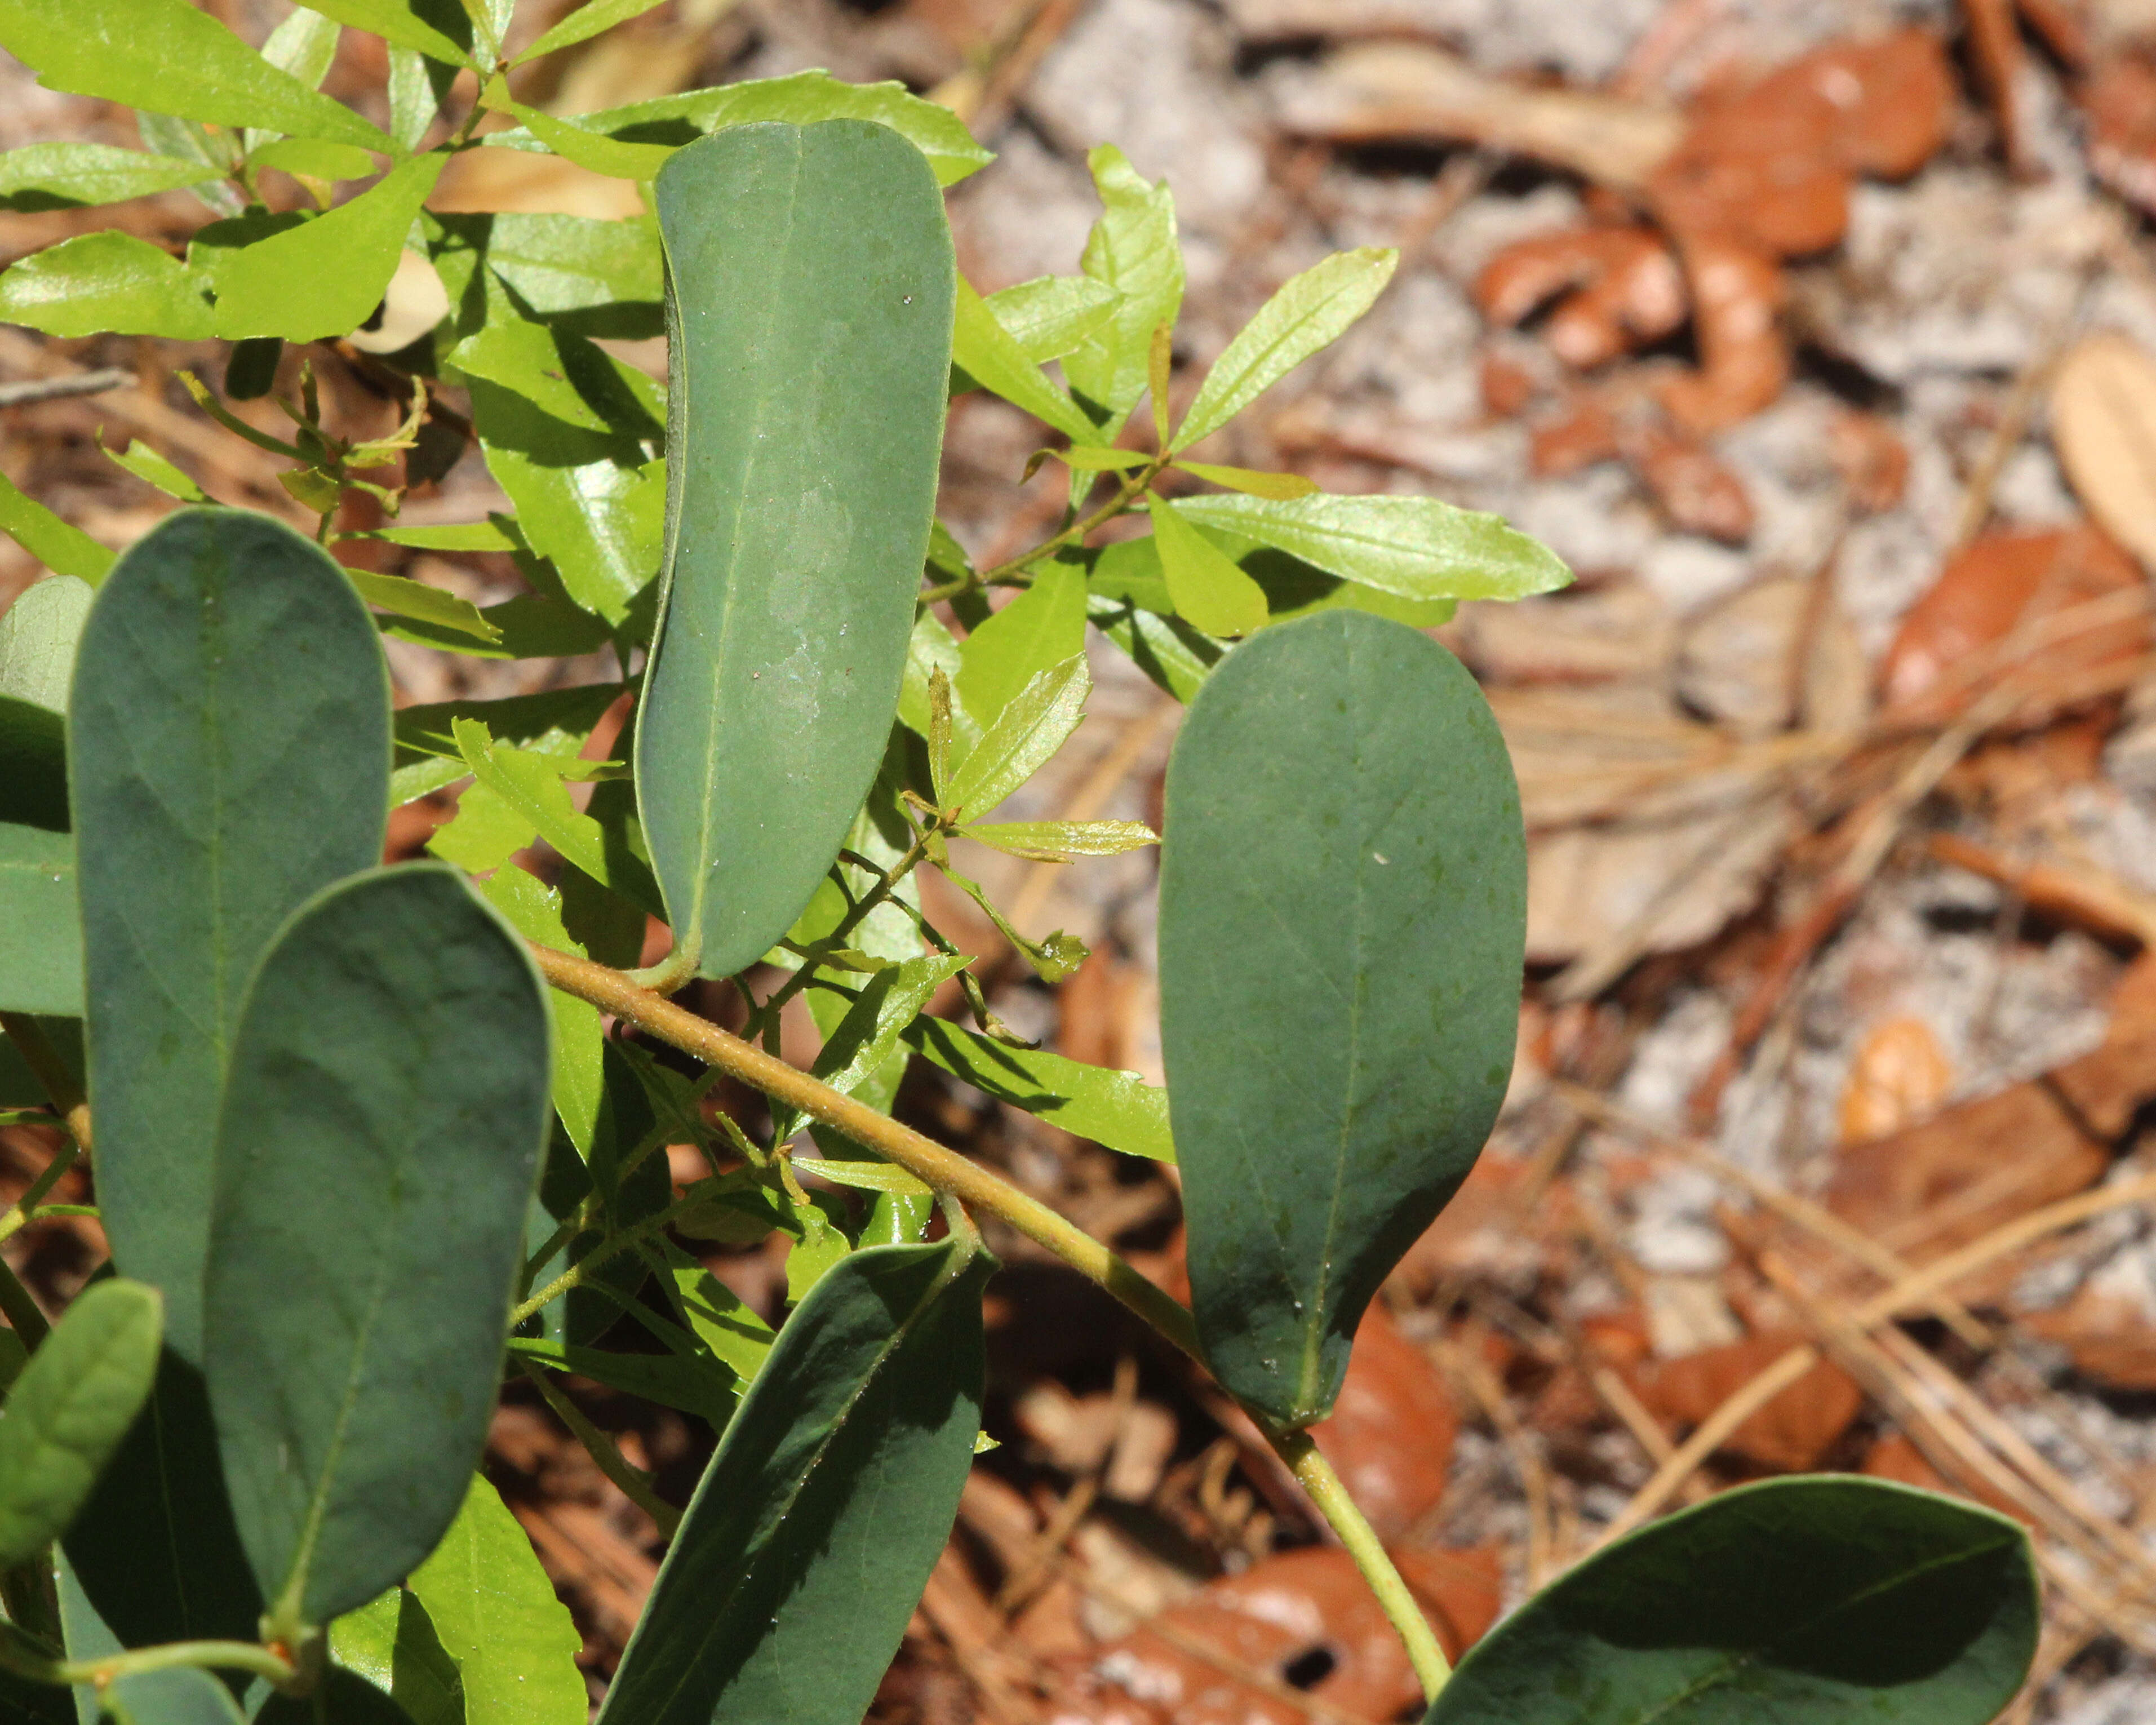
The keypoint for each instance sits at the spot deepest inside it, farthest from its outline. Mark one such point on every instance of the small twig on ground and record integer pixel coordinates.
(32, 390)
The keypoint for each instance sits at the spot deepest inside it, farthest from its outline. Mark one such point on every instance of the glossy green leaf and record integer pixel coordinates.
(1117, 1109)
(600, 278)
(106, 282)
(304, 44)
(41, 967)
(531, 784)
(1177, 657)
(583, 24)
(593, 150)
(885, 1004)
(1309, 312)
(179, 1695)
(316, 158)
(1038, 630)
(170, 58)
(230, 711)
(532, 625)
(535, 911)
(1417, 547)
(722, 1323)
(991, 355)
(415, 97)
(402, 596)
(800, 99)
(385, 1114)
(61, 547)
(1254, 481)
(806, 407)
(66, 176)
(1131, 570)
(154, 469)
(398, 22)
(1342, 913)
(814, 1527)
(1054, 314)
(1807, 1601)
(1037, 722)
(555, 722)
(325, 277)
(1132, 248)
(70, 1409)
(391, 1642)
(1061, 840)
(495, 1610)
(1053, 958)
(155, 1551)
(1203, 583)
(593, 503)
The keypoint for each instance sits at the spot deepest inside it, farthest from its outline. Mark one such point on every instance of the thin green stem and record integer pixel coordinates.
(1315, 1474)
(602, 1450)
(953, 1177)
(1075, 534)
(209, 1655)
(50, 1070)
(599, 1253)
(856, 914)
(25, 1209)
(20, 1310)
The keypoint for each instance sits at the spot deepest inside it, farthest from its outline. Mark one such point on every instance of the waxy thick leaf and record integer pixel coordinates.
(1132, 248)
(1807, 1601)
(107, 281)
(155, 1551)
(1343, 914)
(1417, 547)
(70, 1409)
(496, 1615)
(65, 175)
(229, 726)
(1309, 312)
(325, 277)
(169, 57)
(811, 282)
(815, 1526)
(40, 927)
(381, 1136)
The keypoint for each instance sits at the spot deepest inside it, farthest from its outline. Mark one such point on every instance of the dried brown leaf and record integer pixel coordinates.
(2103, 425)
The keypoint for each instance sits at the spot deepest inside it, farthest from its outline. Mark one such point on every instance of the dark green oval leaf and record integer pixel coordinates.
(229, 722)
(1808, 1601)
(812, 291)
(70, 1409)
(814, 1527)
(1342, 911)
(40, 927)
(386, 1107)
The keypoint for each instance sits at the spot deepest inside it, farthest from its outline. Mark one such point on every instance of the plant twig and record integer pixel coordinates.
(30, 390)
(50, 1070)
(953, 1176)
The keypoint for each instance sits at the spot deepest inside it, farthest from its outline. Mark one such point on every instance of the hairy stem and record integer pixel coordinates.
(953, 1177)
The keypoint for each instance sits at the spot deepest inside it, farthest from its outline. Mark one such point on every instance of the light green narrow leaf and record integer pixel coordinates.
(1320, 1128)
(535, 911)
(1060, 840)
(583, 24)
(1278, 485)
(495, 1610)
(413, 99)
(229, 732)
(799, 98)
(70, 1409)
(593, 150)
(531, 784)
(386, 1112)
(1118, 1109)
(814, 1530)
(1054, 314)
(555, 722)
(60, 545)
(317, 158)
(397, 22)
(1038, 721)
(1310, 311)
(600, 278)
(991, 355)
(169, 57)
(1205, 586)
(402, 596)
(1808, 1601)
(806, 411)
(154, 471)
(40, 928)
(1039, 629)
(1417, 547)
(325, 277)
(1132, 248)
(60, 175)
(305, 45)
(885, 1004)
(107, 282)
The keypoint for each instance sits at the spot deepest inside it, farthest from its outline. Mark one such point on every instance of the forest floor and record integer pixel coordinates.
(1819, 336)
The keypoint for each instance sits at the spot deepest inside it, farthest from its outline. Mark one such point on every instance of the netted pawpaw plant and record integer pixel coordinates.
(366, 1139)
